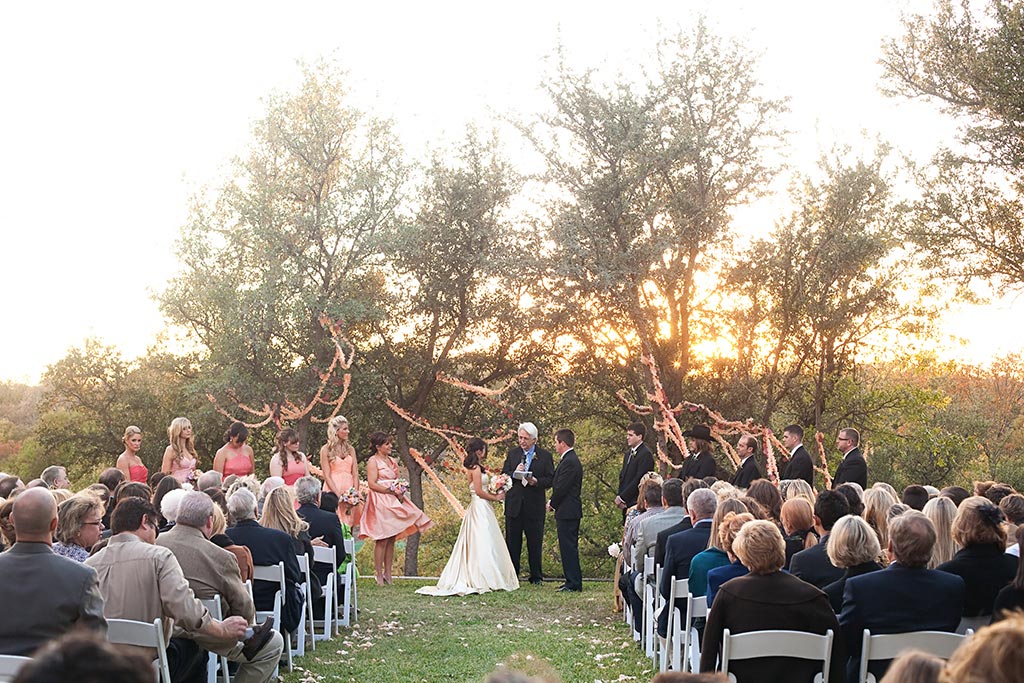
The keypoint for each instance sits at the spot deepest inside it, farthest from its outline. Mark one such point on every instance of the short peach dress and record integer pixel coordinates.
(385, 515)
(341, 478)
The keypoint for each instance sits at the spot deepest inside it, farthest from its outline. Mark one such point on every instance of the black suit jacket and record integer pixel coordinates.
(631, 472)
(985, 569)
(566, 486)
(799, 466)
(853, 468)
(663, 536)
(528, 500)
(268, 547)
(897, 600)
(698, 466)
(814, 567)
(747, 473)
(679, 551)
(326, 525)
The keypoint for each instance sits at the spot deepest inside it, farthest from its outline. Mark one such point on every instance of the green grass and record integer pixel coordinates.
(402, 636)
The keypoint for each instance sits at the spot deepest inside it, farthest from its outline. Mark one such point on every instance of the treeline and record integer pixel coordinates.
(623, 245)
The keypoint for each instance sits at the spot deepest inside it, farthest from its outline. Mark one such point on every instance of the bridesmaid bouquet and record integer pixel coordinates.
(499, 483)
(354, 496)
(399, 487)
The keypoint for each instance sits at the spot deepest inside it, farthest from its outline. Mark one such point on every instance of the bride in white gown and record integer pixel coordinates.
(479, 562)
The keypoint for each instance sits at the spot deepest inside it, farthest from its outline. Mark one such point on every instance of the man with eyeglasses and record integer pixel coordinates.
(853, 468)
(43, 594)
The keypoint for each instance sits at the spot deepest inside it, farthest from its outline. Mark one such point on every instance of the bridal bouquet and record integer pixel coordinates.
(399, 487)
(354, 496)
(499, 483)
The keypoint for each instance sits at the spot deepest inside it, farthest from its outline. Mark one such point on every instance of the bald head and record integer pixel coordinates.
(34, 515)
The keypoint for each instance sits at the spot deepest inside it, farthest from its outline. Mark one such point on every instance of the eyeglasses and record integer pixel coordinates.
(96, 523)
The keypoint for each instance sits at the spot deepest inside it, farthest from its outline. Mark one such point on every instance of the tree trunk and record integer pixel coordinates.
(412, 543)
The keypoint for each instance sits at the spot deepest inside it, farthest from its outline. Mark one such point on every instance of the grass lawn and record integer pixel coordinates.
(401, 636)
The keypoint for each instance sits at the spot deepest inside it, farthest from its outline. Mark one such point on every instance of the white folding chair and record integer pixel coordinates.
(215, 660)
(347, 587)
(10, 665)
(797, 644)
(671, 643)
(888, 646)
(696, 608)
(647, 594)
(142, 634)
(274, 574)
(329, 623)
(972, 624)
(307, 611)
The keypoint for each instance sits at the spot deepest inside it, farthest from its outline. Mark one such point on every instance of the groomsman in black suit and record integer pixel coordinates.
(568, 508)
(799, 465)
(853, 467)
(525, 501)
(637, 462)
(746, 448)
(702, 462)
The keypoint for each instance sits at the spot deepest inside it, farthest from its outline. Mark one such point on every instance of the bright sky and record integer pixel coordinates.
(115, 113)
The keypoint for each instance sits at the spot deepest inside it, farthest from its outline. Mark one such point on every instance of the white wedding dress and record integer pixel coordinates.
(479, 562)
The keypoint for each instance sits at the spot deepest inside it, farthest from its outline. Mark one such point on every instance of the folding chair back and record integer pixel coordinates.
(275, 574)
(10, 665)
(797, 644)
(647, 594)
(889, 646)
(670, 655)
(328, 556)
(307, 612)
(696, 608)
(142, 634)
(347, 587)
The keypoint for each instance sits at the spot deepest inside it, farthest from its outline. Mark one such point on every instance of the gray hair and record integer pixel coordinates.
(703, 502)
(209, 479)
(269, 484)
(530, 429)
(307, 489)
(194, 509)
(54, 472)
(169, 504)
(242, 505)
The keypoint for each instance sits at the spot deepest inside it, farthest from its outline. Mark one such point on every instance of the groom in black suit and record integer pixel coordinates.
(525, 501)
(799, 465)
(568, 508)
(637, 462)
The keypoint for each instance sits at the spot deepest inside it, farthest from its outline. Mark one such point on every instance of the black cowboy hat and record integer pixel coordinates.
(699, 432)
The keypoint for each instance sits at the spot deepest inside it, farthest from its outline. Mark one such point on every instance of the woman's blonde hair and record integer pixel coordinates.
(760, 547)
(730, 526)
(179, 444)
(798, 488)
(220, 522)
(978, 522)
(941, 511)
(129, 432)
(336, 448)
(852, 541)
(71, 515)
(61, 495)
(877, 503)
(648, 480)
(729, 505)
(279, 513)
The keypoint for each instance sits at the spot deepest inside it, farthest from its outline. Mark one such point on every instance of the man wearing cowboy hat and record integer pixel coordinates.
(702, 462)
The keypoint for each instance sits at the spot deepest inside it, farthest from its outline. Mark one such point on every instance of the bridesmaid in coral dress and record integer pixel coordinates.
(129, 462)
(288, 462)
(389, 515)
(180, 457)
(341, 469)
(235, 456)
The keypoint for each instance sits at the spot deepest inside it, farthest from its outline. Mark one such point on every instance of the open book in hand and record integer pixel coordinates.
(522, 475)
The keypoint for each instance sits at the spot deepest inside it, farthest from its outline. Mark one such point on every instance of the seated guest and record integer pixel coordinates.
(765, 493)
(55, 477)
(1011, 597)
(268, 548)
(322, 525)
(914, 666)
(169, 508)
(689, 486)
(877, 504)
(79, 525)
(220, 539)
(798, 526)
(279, 513)
(6, 526)
(982, 561)
(84, 658)
(143, 582)
(715, 555)
(854, 495)
(650, 501)
(683, 547)
(731, 525)
(212, 571)
(992, 655)
(9, 484)
(853, 546)
(43, 595)
(906, 596)
(208, 480)
(941, 511)
(812, 565)
(166, 485)
(1013, 508)
(768, 599)
(647, 529)
(915, 496)
(997, 492)
(111, 477)
(269, 484)
(957, 494)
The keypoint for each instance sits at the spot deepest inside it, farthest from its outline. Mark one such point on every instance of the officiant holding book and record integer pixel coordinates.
(532, 470)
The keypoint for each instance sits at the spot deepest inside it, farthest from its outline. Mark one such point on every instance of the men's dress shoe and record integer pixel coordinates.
(536, 582)
(566, 589)
(261, 634)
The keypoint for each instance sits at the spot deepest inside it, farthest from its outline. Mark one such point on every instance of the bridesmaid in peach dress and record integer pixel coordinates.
(341, 469)
(129, 462)
(389, 515)
(235, 456)
(288, 462)
(180, 457)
